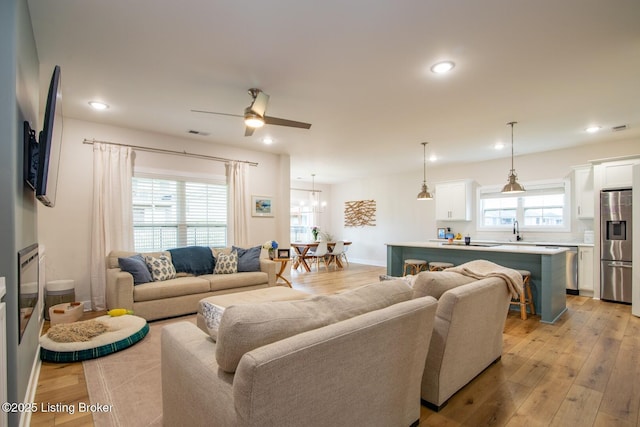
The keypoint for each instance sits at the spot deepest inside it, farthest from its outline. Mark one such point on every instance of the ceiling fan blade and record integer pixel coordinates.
(259, 105)
(248, 131)
(220, 114)
(284, 122)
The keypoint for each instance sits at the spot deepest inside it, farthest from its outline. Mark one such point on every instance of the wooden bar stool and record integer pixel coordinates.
(439, 266)
(526, 296)
(414, 266)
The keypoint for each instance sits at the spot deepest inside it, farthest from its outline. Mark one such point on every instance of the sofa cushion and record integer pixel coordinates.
(248, 259)
(161, 267)
(237, 280)
(245, 327)
(226, 264)
(170, 288)
(137, 267)
(194, 260)
(435, 283)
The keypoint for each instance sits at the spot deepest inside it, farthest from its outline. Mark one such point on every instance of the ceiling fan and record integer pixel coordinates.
(254, 116)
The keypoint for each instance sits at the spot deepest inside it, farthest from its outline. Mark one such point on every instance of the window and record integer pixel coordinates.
(170, 213)
(543, 207)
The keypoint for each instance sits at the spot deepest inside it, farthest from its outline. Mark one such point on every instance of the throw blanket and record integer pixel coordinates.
(196, 260)
(481, 269)
(77, 331)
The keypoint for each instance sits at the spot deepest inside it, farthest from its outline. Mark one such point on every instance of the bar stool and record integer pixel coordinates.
(414, 266)
(526, 296)
(439, 266)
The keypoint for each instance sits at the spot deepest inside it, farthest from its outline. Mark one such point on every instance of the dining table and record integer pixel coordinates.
(302, 249)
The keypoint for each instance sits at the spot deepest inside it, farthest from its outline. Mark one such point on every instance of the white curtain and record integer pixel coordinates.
(112, 226)
(238, 210)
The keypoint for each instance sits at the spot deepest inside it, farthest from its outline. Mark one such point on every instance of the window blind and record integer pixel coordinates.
(169, 213)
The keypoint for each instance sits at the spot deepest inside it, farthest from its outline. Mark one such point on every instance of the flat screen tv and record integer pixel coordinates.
(50, 143)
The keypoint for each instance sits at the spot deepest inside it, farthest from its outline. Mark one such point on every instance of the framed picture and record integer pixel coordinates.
(284, 253)
(441, 233)
(261, 206)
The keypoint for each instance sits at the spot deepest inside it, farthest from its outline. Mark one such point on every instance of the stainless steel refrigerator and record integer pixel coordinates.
(616, 245)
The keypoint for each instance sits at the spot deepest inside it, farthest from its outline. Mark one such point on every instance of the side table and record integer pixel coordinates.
(283, 265)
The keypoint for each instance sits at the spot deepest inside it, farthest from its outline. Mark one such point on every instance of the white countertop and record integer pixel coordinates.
(487, 247)
(522, 242)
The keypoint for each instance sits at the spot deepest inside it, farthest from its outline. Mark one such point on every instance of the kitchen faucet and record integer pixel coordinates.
(516, 230)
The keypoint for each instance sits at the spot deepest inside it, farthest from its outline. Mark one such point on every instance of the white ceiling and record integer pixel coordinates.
(358, 70)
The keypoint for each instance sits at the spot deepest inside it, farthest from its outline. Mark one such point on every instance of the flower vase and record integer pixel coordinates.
(315, 236)
(272, 253)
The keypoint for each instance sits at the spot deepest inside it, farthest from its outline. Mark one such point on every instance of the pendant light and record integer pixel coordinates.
(424, 193)
(316, 204)
(512, 186)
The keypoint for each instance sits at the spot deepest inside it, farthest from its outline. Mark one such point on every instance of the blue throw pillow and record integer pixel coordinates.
(137, 267)
(196, 260)
(248, 259)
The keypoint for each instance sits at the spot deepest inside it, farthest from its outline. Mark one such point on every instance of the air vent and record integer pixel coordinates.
(197, 132)
(619, 128)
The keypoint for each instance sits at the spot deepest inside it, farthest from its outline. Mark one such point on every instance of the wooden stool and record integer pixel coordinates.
(526, 296)
(414, 266)
(439, 266)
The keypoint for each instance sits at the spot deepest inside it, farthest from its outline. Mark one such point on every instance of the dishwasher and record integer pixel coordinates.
(572, 267)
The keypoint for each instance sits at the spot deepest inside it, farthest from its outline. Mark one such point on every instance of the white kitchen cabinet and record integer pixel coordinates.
(583, 192)
(585, 270)
(618, 174)
(454, 200)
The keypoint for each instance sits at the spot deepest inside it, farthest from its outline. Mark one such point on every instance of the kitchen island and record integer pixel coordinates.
(546, 264)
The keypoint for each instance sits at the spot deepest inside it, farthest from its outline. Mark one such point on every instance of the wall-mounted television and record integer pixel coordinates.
(50, 144)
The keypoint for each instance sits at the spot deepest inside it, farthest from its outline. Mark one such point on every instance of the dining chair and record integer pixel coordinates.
(344, 254)
(321, 251)
(337, 252)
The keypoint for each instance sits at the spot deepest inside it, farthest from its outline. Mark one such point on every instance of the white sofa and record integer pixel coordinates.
(178, 296)
(467, 333)
(354, 358)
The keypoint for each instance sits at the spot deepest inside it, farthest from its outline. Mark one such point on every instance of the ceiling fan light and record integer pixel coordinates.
(253, 120)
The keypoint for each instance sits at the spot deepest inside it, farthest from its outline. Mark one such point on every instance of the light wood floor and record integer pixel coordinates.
(582, 371)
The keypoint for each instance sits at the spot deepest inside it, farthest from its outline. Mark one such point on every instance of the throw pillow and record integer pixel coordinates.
(196, 260)
(226, 264)
(161, 268)
(136, 266)
(248, 259)
(245, 327)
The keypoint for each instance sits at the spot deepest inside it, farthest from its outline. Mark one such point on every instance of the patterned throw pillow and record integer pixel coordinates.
(161, 267)
(226, 264)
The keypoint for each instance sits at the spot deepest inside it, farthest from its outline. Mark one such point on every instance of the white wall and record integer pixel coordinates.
(65, 229)
(400, 217)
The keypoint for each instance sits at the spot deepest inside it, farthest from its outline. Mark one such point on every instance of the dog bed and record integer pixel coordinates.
(124, 331)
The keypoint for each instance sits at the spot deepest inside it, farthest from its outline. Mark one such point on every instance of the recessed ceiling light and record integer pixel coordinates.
(443, 67)
(498, 145)
(97, 105)
(433, 158)
(267, 140)
(593, 129)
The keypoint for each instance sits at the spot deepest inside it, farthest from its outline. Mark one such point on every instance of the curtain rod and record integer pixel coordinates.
(164, 151)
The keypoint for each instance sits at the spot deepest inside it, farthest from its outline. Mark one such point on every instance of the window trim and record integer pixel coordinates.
(531, 186)
(185, 177)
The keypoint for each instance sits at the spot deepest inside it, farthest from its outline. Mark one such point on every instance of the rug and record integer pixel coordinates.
(130, 382)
